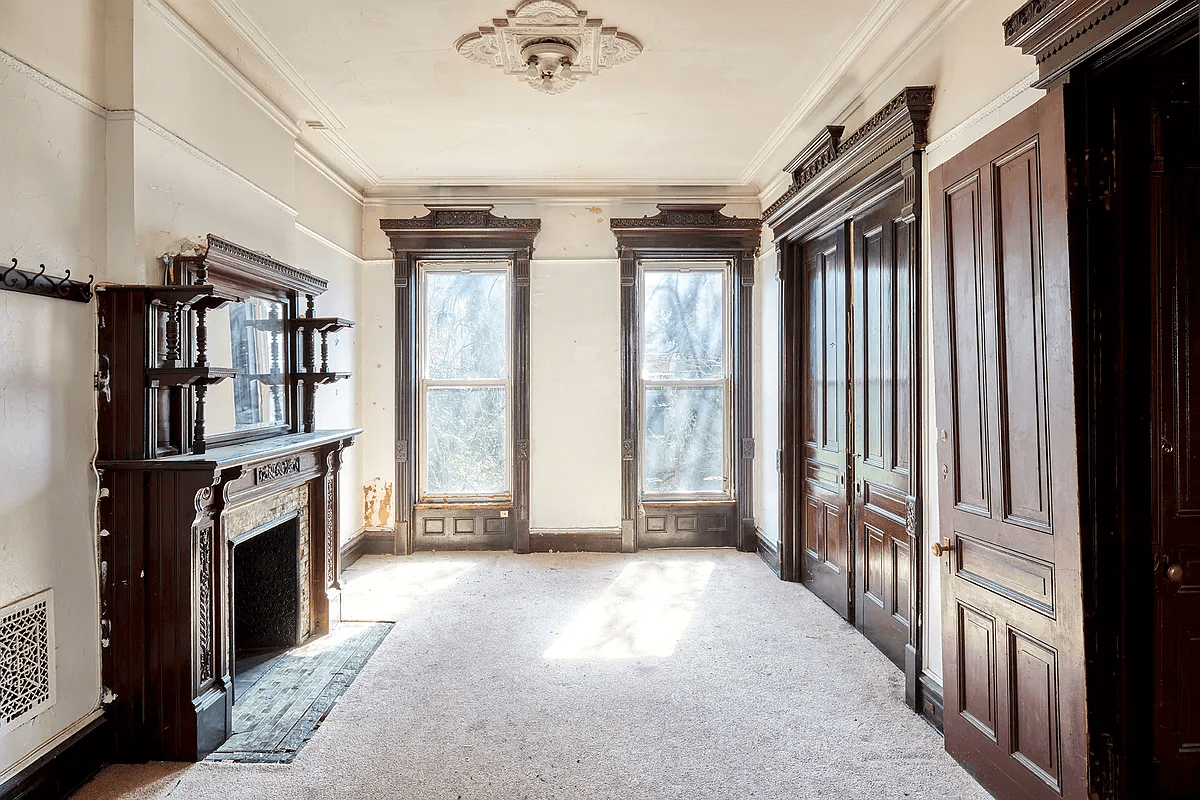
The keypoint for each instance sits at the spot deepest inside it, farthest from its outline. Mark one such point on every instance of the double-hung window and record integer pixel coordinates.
(686, 380)
(465, 382)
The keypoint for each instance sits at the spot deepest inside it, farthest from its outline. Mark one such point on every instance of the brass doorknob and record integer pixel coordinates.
(1175, 573)
(941, 548)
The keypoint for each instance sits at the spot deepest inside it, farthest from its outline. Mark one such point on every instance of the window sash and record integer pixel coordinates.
(426, 384)
(725, 383)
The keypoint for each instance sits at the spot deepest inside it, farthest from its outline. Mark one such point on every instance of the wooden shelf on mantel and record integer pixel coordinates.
(322, 324)
(231, 455)
(319, 378)
(193, 295)
(186, 376)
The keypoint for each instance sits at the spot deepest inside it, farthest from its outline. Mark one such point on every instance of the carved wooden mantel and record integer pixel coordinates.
(176, 498)
(167, 628)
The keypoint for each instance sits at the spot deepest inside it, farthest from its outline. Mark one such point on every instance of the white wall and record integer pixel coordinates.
(575, 395)
(766, 392)
(575, 358)
(51, 182)
(121, 133)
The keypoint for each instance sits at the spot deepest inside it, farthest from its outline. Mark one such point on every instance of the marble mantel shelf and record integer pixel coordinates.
(246, 453)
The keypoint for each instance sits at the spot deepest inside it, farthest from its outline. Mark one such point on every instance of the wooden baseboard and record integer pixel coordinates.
(351, 551)
(64, 769)
(602, 541)
(369, 542)
(932, 702)
(768, 551)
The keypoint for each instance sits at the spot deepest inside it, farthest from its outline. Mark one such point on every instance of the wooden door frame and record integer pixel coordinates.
(459, 233)
(829, 179)
(1073, 46)
(689, 232)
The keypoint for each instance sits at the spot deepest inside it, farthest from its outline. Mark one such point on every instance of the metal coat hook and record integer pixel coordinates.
(15, 279)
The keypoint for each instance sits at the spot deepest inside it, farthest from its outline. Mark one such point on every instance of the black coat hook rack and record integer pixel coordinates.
(14, 279)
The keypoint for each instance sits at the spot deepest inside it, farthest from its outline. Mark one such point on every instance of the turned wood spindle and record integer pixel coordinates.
(201, 337)
(198, 430)
(310, 388)
(276, 366)
(310, 407)
(172, 356)
(324, 351)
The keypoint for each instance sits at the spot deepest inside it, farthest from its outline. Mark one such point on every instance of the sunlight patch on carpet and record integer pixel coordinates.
(387, 590)
(643, 614)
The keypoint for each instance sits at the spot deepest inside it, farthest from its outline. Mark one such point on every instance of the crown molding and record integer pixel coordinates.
(928, 28)
(871, 26)
(327, 172)
(245, 27)
(222, 65)
(561, 191)
(775, 189)
(363, 171)
(606, 194)
(369, 177)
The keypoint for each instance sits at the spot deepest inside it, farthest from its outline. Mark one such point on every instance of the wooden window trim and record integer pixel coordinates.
(467, 233)
(689, 232)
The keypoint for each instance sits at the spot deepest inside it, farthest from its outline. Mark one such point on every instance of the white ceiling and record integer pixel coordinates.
(718, 82)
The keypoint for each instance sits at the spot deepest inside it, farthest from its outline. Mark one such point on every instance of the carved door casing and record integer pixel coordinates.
(884, 507)
(1012, 622)
(824, 499)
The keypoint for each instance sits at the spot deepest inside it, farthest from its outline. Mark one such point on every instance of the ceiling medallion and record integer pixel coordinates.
(549, 44)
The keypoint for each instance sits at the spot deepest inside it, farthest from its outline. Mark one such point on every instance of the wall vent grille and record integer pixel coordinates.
(26, 659)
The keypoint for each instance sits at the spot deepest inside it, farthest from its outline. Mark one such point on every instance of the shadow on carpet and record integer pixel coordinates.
(289, 700)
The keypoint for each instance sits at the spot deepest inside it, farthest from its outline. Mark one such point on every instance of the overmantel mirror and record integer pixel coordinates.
(237, 350)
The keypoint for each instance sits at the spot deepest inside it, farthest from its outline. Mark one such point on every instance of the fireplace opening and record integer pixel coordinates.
(266, 599)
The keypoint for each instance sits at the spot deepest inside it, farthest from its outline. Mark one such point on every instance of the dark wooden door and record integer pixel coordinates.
(824, 507)
(1012, 641)
(884, 507)
(1175, 450)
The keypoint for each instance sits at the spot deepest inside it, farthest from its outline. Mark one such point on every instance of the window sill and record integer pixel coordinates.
(688, 501)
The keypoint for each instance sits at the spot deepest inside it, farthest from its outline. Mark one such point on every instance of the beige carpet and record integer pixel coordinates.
(676, 674)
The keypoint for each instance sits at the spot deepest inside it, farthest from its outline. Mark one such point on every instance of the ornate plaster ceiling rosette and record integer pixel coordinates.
(549, 44)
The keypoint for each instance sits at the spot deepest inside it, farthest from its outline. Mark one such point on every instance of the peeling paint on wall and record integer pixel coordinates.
(377, 503)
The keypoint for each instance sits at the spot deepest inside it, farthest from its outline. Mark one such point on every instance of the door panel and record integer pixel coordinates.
(964, 278)
(1174, 217)
(884, 500)
(825, 566)
(1011, 593)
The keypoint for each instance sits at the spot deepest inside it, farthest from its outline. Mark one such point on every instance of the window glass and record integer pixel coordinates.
(465, 380)
(685, 439)
(465, 325)
(685, 325)
(466, 441)
(685, 379)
